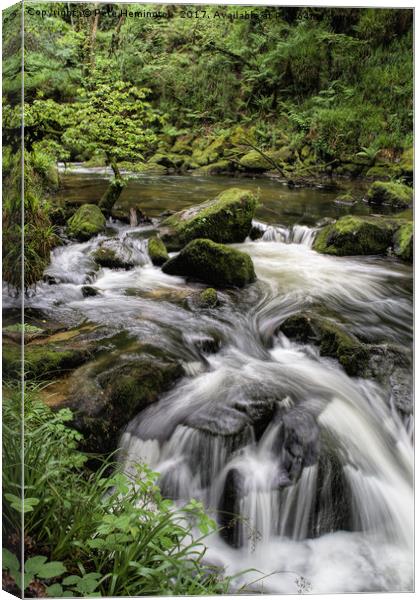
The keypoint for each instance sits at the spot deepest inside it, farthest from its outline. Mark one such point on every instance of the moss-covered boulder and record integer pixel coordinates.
(217, 168)
(332, 339)
(86, 222)
(393, 194)
(226, 219)
(354, 235)
(210, 153)
(256, 162)
(43, 361)
(213, 263)
(157, 251)
(108, 258)
(106, 394)
(403, 242)
(406, 164)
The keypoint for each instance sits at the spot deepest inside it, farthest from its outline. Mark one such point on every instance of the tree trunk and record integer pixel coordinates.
(106, 203)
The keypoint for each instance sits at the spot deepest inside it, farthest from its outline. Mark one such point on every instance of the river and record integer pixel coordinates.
(344, 523)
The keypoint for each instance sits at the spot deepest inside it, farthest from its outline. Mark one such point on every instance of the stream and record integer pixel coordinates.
(319, 492)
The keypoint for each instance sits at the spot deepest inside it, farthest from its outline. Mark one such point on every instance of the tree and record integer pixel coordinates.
(116, 120)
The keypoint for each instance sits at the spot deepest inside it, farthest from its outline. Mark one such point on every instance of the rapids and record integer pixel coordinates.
(318, 491)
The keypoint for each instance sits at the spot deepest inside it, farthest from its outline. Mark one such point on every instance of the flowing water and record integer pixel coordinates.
(308, 470)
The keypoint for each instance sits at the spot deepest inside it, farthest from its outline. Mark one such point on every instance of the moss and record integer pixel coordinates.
(208, 298)
(168, 160)
(384, 172)
(213, 263)
(332, 339)
(183, 145)
(393, 194)
(157, 251)
(407, 160)
(226, 219)
(41, 361)
(222, 166)
(211, 153)
(345, 198)
(148, 167)
(254, 161)
(86, 222)
(108, 258)
(355, 235)
(403, 242)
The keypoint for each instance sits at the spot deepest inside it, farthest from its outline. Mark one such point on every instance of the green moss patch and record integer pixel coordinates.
(403, 242)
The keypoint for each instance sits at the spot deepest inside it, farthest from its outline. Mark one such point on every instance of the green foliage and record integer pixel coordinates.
(130, 541)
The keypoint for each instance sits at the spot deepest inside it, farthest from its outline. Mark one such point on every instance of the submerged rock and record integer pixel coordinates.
(332, 339)
(86, 222)
(226, 219)
(88, 290)
(355, 235)
(157, 251)
(393, 194)
(299, 441)
(213, 263)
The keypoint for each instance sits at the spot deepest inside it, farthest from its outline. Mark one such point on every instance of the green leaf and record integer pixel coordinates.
(32, 565)
(55, 590)
(71, 580)
(52, 569)
(10, 562)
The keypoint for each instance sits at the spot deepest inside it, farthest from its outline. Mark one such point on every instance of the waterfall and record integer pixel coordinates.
(297, 234)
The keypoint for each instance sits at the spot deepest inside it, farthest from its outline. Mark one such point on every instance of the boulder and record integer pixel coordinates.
(332, 339)
(86, 222)
(208, 298)
(221, 166)
(210, 153)
(157, 251)
(299, 441)
(256, 162)
(106, 394)
(403, 242)
(352, 235)
(212, 263)
(108, 258)
(397, 195)
(226, 219)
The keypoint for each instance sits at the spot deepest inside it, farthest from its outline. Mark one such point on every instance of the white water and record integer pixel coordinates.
(199, 433)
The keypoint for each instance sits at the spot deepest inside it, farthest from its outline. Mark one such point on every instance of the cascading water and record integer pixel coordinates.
(307, 470)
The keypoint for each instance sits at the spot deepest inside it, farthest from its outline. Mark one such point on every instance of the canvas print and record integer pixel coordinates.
(207, 299)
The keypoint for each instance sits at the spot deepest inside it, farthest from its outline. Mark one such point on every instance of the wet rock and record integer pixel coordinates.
(88, 290)
(229, 508)
(226, 219)
(108, 258)
(355, 235)
(256, 233)
(213, 263)
(86, 222)
(332, 339)
(391, 365)
(390, 193)
(106, 394)
(157, 251)
(332, 508)
(299, 441)
(217, 168)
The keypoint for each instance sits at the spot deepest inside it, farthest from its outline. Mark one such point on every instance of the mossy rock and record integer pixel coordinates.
(346, 199)
(226, 219)
(384, 171)
(105, 395)
(208, 298)
(332, 339)
(217, 168)
(86, 222)
(42, 361)
(403, 242)
(169, 160)
(213, 263)
(212, 152)
(255, 162)
(157, 251)
(393, 194)
(108, 258)
(355, 236)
